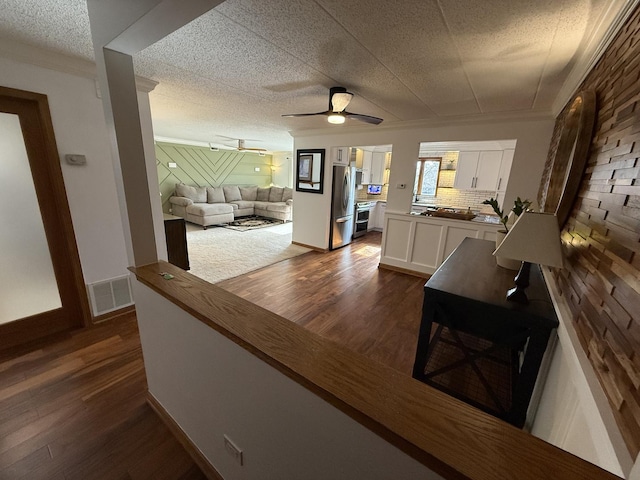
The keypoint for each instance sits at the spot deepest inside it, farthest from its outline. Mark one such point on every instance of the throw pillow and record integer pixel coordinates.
(196, 194)
(276, 194)
(263, 194)
(215, 195)
(249, 194)
(231, 193)
(287, 194)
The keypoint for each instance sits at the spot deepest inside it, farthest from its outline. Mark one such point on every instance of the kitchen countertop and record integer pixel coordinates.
(479, 218)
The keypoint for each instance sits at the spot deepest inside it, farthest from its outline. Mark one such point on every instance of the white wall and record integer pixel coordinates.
(79, 126)
(311, 215)
(282, 175)
(574, 413)
(212, 387)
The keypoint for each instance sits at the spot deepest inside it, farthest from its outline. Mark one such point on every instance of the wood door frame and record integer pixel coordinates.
(42, 152)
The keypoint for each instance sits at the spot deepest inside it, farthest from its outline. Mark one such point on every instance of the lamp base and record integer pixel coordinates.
(517, 294)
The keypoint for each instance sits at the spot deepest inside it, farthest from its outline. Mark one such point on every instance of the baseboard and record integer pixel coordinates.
(210, 472)
(317, 249)
(115, 314)
(404, 270)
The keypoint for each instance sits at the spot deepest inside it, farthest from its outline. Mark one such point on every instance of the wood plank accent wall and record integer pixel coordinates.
(205, 168)
(601, 278)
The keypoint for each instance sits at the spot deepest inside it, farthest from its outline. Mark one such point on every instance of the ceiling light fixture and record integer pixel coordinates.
(340, 100)
(336, 118)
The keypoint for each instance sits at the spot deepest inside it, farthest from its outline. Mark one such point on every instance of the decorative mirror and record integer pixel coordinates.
(310, 170)
(571, 156)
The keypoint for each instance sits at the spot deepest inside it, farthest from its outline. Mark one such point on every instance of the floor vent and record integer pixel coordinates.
(110, 295)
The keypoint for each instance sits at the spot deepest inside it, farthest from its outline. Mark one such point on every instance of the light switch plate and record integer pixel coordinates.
(74, 159)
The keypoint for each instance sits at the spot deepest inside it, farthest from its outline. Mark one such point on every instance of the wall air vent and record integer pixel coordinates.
(110, 295)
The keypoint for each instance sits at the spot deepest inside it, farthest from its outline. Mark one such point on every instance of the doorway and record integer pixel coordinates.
(43, 291)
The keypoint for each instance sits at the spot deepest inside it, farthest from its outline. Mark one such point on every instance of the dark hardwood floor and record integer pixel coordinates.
(73, 406)
(343, 296)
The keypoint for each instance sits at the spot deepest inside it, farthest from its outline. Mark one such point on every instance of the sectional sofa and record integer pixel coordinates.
(216, 205)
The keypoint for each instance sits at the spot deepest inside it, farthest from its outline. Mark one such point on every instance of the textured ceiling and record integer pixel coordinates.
(233, 72)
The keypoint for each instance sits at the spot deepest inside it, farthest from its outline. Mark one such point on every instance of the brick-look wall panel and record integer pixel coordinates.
(601, 279)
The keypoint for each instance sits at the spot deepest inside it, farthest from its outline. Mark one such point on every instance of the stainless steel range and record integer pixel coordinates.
(361, 223)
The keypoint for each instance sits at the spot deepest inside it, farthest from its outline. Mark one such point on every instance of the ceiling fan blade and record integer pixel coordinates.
(305, 114)
(363, 118)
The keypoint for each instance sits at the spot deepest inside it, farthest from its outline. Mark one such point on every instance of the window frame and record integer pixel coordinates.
(421, 161)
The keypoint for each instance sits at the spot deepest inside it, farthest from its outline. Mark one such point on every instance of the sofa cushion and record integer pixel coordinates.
(180, 201)
(205, 209)
(263, 194)
(260, 205)
(231, 193)
(215, 195)
(276, 194)
(287, 194)
(196, 194)
(243, 204)
(278, 207)
(250, 194)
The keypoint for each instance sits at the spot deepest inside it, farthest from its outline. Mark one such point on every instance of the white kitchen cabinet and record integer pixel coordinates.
(377, 168)
(420, 243)
(466, 170)
(503, 178)
(376, 220)
(478, 170)
(367, 164)
(340, 155)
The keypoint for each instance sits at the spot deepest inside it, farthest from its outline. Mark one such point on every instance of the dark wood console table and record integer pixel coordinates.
(483, 349)
(176, 234)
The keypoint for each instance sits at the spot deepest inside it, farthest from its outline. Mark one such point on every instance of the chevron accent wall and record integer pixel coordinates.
(202, 167)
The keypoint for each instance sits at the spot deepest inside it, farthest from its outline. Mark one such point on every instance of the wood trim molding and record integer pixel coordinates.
(317, 249)
(113, 315)
(404, 270)
(447, 436)
(193, 451)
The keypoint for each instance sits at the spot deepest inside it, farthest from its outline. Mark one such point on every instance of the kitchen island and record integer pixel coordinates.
(419, 244)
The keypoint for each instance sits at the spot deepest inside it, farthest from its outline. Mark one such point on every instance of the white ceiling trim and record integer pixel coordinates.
(430, 123)
(23, 53)
(593, 52)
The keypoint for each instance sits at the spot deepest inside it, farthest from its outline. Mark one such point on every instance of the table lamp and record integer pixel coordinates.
(534, 238)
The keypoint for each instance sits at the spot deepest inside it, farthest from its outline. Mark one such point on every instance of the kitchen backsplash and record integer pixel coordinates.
(361, 195)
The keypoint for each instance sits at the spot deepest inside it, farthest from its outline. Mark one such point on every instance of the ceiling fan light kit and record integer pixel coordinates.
(339, 99)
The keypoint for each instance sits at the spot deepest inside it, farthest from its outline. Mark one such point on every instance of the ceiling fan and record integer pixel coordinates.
(242, 148)
(339, 98)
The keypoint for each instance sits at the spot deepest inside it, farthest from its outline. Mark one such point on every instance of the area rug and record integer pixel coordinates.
(251, 223)
(216, 254)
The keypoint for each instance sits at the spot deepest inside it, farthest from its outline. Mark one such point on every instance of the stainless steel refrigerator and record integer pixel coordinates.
(342, 206)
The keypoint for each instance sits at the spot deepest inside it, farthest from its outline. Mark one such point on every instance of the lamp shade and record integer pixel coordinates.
(534, 238)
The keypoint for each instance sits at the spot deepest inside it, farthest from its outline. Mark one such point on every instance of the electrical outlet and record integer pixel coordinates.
(233, 450)
(401, 185)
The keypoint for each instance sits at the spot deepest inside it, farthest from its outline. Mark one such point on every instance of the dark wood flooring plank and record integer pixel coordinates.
(75, 408)
(343, 296)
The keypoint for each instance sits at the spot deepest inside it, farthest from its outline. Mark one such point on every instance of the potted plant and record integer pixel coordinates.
(519, 206)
